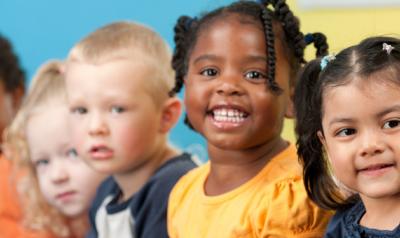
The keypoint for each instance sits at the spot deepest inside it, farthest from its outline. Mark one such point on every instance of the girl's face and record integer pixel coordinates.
(361, 134)
(226, 96)
(66, 182)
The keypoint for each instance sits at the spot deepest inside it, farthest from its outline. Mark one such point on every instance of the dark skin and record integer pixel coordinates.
(227, 76)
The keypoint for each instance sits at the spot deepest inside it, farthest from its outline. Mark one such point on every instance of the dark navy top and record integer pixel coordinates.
(143, 215)
(346, 224)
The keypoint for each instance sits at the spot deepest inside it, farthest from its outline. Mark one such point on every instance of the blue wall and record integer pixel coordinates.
(45, 29)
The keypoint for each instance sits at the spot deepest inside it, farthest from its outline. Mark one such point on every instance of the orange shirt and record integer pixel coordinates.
(273, 203)
(10, 211)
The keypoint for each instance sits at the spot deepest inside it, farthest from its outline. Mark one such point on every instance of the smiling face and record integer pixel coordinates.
(115, 120)
(226, 96)
(65, 181)
(361, 125)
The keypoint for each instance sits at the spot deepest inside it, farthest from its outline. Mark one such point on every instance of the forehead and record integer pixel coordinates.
(122, 76)
(229, 28)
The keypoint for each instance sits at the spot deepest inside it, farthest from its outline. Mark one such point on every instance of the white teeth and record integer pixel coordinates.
(228, 115)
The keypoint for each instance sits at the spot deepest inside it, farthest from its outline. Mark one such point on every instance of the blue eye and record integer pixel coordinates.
(72, 153)
(209, 72)
(116, 109)
(41, 163)
(391, 124)
(79, 110)
(346, 132)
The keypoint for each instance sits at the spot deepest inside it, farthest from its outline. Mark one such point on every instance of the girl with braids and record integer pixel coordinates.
(348, 125)
(238, 65)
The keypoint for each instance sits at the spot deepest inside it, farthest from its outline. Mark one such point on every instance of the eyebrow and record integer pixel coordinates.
(377, 115)
(205, 57)
(388, 110)
(251, 58)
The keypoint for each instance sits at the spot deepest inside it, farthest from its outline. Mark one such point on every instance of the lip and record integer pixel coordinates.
(101, 152)
(377, 169)
(66, 196)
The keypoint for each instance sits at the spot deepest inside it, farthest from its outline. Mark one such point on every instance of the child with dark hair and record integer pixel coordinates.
(238, 64)
(12, 83)
(348, 126)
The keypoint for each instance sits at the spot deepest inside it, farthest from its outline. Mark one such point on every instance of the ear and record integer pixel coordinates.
(17, 96)
(321, 138)
(290, 105)
(170, 114)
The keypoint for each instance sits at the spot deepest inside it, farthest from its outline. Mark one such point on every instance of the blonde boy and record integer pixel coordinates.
(118, 79)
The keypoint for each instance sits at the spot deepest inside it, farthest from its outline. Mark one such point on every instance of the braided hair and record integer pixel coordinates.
(268, 13)
(11, 73)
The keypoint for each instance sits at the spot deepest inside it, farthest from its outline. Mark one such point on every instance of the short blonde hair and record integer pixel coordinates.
(128, 40)
(48, 86)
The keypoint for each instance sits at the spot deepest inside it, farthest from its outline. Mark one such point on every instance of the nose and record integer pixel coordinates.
(97, 125)
(229, 85)
(58, 173)
(372, 144)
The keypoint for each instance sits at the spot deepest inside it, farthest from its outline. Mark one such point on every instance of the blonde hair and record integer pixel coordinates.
(132, 41)
(48, 86)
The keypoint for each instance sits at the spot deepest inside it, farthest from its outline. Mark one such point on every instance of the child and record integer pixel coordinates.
(56, 187)
(118, 80)
(349, 110)
(12, 88)
(238, 65)
(12, 83)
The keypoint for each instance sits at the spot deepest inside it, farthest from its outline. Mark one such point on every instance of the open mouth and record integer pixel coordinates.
(101, 152)
(231, 115)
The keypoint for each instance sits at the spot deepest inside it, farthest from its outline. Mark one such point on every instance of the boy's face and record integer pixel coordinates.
(114, 118)
(66, 182)
(226, 96)
(7, 108)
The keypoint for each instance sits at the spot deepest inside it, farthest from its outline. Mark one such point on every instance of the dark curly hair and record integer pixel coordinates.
(360, 60)
(11, 73)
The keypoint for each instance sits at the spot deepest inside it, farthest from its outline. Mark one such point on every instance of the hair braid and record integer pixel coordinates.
(179, 57)
(291, 26)
(320, 43)
(271, 58)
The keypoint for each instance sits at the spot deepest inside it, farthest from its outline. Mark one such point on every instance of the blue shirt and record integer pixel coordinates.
(345, 223)
(144, 214)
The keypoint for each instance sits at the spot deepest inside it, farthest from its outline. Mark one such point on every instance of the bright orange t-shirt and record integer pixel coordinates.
(10, 211)
(273, 203)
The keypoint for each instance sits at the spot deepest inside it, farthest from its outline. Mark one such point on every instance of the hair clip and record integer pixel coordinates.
(387, 47)
(309, 38)
(325, 60)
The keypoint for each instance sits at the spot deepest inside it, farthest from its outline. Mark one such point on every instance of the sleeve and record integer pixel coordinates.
(151, 220)
(105, 188)
(291, 214)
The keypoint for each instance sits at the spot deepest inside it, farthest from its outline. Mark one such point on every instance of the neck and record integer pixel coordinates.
(382, 213)
(231, 168)
(132, 181)
(79, 226)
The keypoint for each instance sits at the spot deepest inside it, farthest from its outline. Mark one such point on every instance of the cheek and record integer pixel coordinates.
(136, 136)
(45, 187)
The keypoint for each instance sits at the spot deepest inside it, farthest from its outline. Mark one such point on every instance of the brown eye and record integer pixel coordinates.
(209, 72)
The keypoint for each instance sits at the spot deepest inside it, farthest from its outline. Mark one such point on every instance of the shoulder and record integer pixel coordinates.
(106, 188)
(161, 183)
(345, 221)
(171, 171)
(289, 209)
